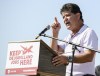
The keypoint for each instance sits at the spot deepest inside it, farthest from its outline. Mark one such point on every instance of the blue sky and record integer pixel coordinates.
(22, 20)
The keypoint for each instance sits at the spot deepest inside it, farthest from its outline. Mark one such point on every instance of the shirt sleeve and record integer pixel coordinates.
(63, 44)
(91, 40)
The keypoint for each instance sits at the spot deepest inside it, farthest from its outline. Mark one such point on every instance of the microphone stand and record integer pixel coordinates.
(74, 47)
(73, 52)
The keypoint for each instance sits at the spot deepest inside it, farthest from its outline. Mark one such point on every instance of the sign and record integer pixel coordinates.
(22, 58)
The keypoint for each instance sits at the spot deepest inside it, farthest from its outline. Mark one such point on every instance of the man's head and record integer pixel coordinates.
(73, 8)
(72, 17)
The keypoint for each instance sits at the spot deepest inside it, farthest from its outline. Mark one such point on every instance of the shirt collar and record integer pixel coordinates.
(81, 30)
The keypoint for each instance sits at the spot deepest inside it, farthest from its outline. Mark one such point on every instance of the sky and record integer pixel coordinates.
(22, 20)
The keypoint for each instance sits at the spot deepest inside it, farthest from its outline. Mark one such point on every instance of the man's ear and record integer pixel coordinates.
(78, 16)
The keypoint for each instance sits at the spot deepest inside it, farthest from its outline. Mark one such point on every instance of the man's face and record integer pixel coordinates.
(70, 20)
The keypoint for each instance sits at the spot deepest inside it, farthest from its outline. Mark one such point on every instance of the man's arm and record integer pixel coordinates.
(87, 56)
(55, 31)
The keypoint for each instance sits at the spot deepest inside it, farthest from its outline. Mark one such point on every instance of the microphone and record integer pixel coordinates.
(44, 30)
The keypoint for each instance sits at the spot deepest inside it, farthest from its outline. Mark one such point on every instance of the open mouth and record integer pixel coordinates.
(67, 23)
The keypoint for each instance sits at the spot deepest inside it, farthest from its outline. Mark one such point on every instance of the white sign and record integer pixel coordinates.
(22, 58)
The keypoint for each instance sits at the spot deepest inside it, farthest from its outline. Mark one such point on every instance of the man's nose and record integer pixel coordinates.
(65, 20)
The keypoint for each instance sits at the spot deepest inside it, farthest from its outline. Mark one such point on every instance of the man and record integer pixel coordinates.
(97, 70)
(80, 34)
